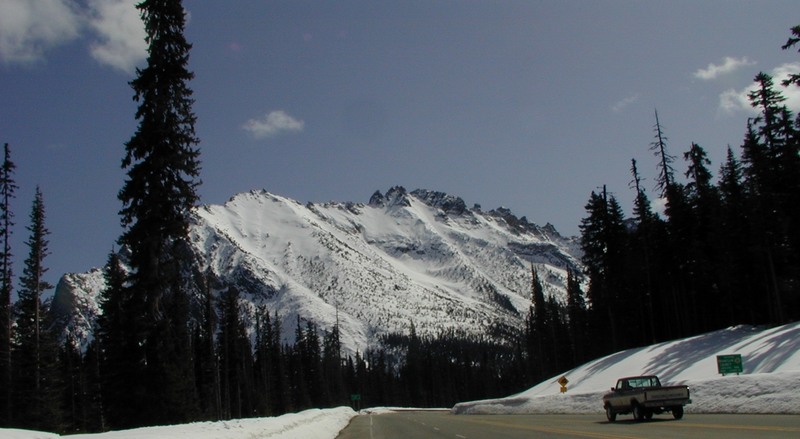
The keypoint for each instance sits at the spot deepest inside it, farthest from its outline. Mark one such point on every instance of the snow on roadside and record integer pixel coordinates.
(770, 383)
(777, 393)
(309, 424)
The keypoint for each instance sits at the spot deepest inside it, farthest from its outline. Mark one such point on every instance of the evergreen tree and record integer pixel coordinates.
(73, 386)
(793, 78)
(537, 336)
(734, 246)
(162, 167)
(603, 238)
(263, 362)
(665, 160)
(332, 373)
(300, 369)
(311, 352)
(207, 361)
(770, 154)
(704, 206)
(94, 417)
(235, 358)
(576, 318)
(676, 300)
(35, 353)
(7, 188)
(768, 101)
(643, 254)
(117, 346)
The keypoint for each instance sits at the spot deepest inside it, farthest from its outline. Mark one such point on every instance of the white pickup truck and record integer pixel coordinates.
(644, 396)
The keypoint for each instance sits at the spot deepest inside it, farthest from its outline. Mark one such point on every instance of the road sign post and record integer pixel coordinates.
(355, 398)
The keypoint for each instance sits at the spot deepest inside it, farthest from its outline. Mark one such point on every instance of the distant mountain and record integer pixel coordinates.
(420, 257)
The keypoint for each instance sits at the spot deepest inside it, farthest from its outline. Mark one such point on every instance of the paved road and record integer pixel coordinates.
(435, 425)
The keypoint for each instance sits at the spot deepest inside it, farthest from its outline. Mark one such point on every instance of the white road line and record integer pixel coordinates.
(371, 435)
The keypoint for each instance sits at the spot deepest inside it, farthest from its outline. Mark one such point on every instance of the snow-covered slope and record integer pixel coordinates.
(770, 382)
(418, 257)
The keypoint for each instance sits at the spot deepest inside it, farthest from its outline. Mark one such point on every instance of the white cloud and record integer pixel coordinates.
(728, 65)
(621, 105)
(272, 124)
(732, 101)
(120, 34)
(28, 28)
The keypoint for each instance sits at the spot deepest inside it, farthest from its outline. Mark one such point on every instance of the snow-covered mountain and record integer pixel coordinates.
(420, 257)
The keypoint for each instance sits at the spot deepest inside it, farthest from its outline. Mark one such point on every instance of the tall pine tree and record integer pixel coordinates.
(665, 170)
(35, 351)
(162, 164)
(7, 188)
(770, 155)
(643, 254)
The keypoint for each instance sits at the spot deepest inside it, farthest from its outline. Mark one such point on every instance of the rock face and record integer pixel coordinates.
(420, 257)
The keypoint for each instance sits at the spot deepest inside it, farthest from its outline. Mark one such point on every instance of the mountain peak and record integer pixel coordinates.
(419, 257)
(448, 203)
(395, 196)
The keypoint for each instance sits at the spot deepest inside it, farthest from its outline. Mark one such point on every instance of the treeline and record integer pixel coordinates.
(29, 354)
(726, 251)
(236, 375)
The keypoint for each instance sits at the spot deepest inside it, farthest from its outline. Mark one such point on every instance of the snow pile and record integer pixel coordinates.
(770, 382)
(310, 424)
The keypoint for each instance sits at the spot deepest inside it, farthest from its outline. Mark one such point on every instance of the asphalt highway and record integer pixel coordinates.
(442, 424)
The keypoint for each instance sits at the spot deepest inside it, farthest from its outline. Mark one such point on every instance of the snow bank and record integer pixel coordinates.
(770, 383)
(310, 424)
(763, 393)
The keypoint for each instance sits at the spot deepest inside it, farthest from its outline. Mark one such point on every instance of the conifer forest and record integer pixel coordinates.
(724, 251)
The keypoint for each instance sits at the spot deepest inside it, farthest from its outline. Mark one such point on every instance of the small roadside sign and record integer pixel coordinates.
(563, 382)
(730, 364)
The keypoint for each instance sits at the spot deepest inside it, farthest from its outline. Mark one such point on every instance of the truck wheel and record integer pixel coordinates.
(639, 412)
(610, 414)
(677, 412)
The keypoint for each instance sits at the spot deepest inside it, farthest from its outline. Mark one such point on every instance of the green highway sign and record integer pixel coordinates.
(729, 364)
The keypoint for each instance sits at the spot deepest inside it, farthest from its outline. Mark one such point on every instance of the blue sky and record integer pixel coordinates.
(529, 105)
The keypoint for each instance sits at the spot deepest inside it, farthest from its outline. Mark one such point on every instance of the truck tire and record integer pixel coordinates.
(611, 415)
(639, 412)
(677, 412)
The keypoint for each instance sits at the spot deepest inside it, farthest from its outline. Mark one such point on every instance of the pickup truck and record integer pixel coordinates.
(644, 396)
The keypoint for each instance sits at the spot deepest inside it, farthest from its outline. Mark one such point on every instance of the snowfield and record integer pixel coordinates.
(770, 383)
